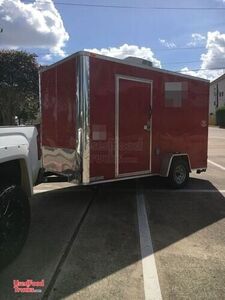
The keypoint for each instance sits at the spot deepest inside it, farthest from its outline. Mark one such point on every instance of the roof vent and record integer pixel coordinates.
(138, 61)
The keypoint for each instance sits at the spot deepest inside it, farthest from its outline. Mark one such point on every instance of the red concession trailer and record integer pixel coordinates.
(106, 119)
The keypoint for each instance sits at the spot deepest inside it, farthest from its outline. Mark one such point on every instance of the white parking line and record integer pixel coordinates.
(41, 191)
(154, 190)
(187, 191)
(150, 275)
(217, 165)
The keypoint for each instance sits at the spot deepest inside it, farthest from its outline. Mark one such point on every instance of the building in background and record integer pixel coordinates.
(216, 97)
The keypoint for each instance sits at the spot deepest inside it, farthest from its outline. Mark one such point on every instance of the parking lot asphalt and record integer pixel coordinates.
(88, 243)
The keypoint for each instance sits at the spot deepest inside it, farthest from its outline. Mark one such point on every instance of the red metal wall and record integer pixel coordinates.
(58, 100)
(174, 129)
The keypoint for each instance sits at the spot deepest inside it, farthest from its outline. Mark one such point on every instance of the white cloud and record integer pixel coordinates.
(196, 39)
(32, 25)
(214, 58)
(167, 44)
(207, 74)
(198, 36)
(128, 50)
(47, 57)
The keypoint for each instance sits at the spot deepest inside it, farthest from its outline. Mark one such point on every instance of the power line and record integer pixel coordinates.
(191, 62)
(178, 48)
(195, 70)
(153, 49)
(132, 7)
(167, 63)
(184, 62)
(39, 53)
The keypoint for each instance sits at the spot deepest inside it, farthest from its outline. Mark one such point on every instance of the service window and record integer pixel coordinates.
(174, 93)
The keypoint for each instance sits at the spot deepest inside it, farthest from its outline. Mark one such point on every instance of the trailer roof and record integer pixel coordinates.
(121, 61)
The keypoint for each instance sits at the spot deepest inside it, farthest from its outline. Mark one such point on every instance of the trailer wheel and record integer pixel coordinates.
(179, 173)
(14, 222)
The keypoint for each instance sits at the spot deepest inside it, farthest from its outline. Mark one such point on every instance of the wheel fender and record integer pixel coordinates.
(168, 160)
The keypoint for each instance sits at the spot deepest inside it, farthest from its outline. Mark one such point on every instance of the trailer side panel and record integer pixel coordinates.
(178, 121)
(58, 106)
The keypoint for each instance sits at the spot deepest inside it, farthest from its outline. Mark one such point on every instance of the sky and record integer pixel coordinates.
(179, 35)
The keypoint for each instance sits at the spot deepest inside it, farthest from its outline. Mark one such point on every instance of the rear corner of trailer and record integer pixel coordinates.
(199, 99)
(58, 115)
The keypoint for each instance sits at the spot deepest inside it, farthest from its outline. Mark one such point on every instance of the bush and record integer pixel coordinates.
(220, 116)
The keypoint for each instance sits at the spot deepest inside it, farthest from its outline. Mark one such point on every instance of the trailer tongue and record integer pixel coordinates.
(105, 119)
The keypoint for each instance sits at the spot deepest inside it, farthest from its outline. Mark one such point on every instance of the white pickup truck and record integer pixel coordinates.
(19, 169)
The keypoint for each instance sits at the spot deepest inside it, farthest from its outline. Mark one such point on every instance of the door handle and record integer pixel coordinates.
(147, 127)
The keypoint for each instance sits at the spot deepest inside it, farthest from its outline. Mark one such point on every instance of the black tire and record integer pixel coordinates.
(14, 222)
(179, 173)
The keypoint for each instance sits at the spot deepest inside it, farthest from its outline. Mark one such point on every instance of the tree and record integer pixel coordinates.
(18, 86)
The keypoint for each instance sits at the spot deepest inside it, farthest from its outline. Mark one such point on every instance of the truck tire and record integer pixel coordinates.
(179, 173)
(14, 222)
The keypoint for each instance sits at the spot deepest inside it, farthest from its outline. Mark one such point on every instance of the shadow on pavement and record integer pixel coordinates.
(108, 240)
(175, 215)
